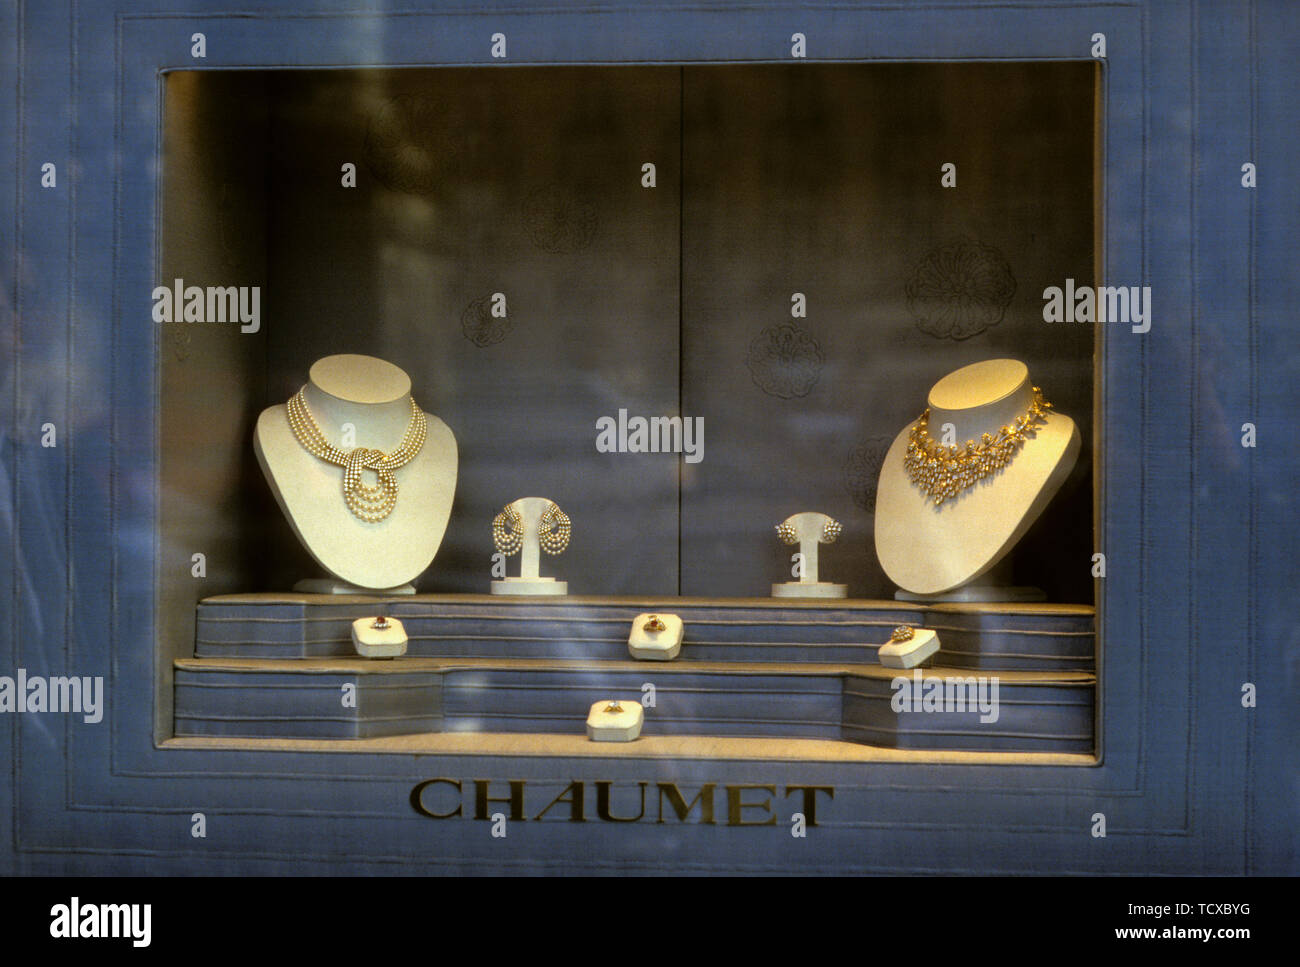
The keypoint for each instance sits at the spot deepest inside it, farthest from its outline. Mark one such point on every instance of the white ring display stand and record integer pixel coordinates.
(612, 721)
(932, 552)
(385, 642)
(923, 644)
(648, 644)
(529, 581)
(368, 400)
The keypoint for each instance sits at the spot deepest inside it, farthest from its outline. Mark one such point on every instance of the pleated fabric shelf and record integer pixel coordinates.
(1009, 677)
(1032, 637)
(305, 701)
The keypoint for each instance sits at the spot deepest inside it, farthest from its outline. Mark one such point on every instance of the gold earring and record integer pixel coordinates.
(508, 531)
(554, 529)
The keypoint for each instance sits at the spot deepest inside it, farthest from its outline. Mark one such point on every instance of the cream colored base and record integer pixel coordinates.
(977, 592)
(623, 726)
(656, 645)
(810, 589)
(546, 586)
(373, 643)
(332, 586)
(909, 654)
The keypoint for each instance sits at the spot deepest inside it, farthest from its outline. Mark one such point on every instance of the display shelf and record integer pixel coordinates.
(992, 637)
(278, 666)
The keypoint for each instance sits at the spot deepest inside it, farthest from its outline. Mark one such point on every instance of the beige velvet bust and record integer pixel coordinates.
(373, 396)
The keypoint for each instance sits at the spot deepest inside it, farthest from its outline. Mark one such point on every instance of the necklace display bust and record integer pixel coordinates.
(933, 548)
(360, 401)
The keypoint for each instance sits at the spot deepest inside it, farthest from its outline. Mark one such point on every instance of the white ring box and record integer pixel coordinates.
(656, 645)
(908, 654)
(372, 642)
(623, 725)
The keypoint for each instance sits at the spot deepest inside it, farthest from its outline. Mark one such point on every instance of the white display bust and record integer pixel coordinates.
(933, 550)
(373, 396)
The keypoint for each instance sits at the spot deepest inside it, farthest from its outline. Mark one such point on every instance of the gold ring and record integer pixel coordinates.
(614, 706)
(902, 633)
(654, 624)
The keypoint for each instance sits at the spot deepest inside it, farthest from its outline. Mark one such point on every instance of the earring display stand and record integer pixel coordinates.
(809, 530)
(530, 581)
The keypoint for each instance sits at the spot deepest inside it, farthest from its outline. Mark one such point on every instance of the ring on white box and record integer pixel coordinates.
(908, 647)
(656, 637)
(609, 720)
(379, 637)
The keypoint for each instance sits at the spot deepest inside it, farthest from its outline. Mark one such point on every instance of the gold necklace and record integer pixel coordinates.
(944, 472)
(368, 502)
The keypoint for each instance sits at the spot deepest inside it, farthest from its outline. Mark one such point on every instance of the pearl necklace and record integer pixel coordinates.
(368, 502)
(944, 472)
